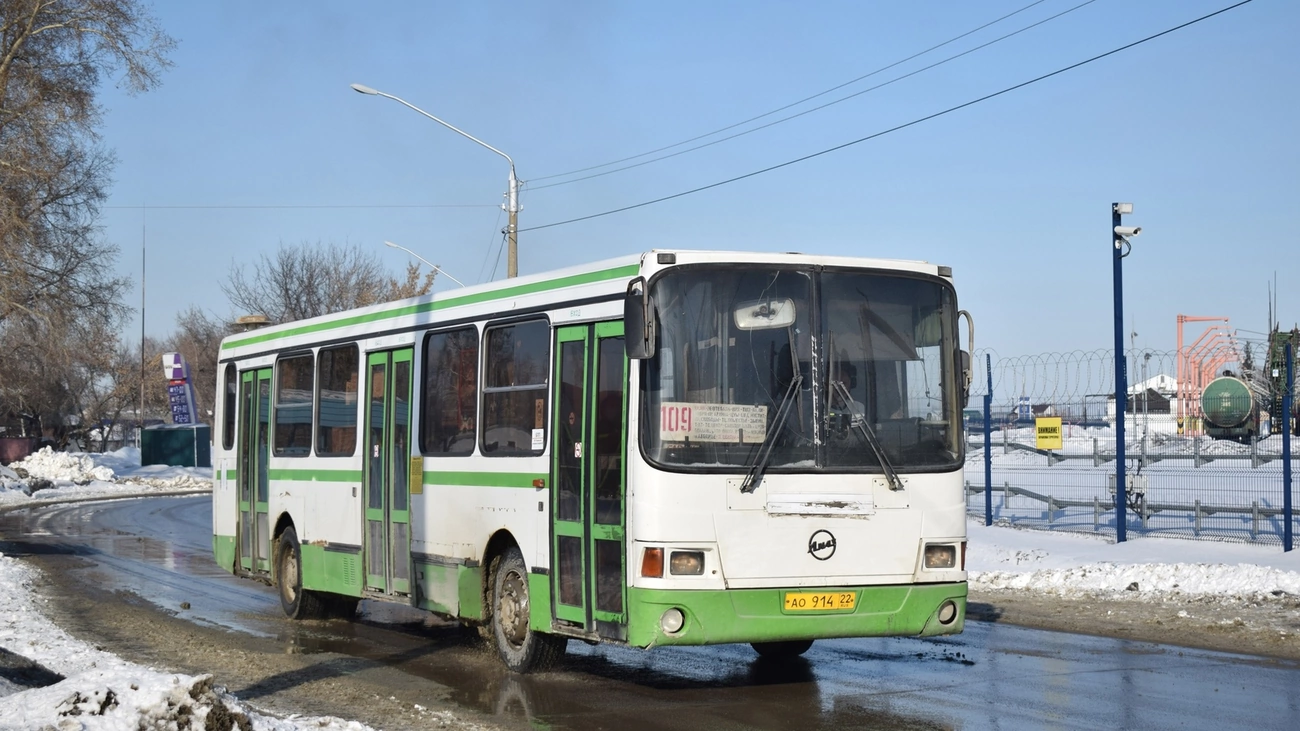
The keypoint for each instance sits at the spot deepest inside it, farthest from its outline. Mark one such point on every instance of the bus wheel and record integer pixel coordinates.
(520, 648)
(781, 650)
(296, 602)
(342, 607)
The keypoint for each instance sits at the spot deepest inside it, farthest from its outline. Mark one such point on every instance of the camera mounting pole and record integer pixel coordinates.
(1120, 248)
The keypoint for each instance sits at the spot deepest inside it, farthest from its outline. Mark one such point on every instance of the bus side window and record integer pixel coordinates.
(228, 408)
(516, 366)
(293, 397)
(448, 412)
(337, 400)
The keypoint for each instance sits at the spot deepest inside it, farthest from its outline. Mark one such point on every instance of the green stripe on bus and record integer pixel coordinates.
(484, 479)
(569, 281)
(316, 475)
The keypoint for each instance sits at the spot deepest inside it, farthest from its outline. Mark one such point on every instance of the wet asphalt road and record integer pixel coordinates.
(994, 676)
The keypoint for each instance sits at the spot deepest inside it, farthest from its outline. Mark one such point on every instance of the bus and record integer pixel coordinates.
(671, 448)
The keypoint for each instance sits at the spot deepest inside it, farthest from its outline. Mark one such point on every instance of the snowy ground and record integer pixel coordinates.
(102, 691)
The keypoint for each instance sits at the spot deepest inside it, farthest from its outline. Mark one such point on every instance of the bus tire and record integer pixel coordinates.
(342, 607)
(784, 650)
(296, 602)
(521, 649)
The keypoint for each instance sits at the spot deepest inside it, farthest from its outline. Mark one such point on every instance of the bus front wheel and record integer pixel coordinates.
(520, 648)
(785, 650)
(297, 602)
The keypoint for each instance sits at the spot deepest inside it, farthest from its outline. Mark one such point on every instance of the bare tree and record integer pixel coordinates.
(304, 280)
(53, 171)
(57, 375)
(60, 306)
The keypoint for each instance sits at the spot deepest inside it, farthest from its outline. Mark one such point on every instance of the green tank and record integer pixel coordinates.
(1227, 402)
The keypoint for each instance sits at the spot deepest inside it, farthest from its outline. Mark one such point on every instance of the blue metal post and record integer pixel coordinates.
(1286, 450)
(988, 442)
(1121, 380)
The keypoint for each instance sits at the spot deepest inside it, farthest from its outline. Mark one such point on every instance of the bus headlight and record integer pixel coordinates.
(947, 612)
(686, 563)
(672, 621)
(940, 557)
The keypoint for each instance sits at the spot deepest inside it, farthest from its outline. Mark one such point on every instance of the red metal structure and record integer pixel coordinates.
(1190, 378)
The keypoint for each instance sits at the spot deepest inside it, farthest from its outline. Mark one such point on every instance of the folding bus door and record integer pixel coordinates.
(588, 477)
(388, 472)
(254, 449)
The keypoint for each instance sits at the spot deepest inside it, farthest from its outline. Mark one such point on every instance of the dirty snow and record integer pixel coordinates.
(103, 691)
(49, 475)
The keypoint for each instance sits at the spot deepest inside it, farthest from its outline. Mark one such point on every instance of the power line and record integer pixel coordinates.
(905, 125)
(796, 103)
(219, 207)
(819, 107)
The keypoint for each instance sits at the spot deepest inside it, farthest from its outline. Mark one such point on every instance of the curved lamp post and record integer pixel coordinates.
(436, 269)
(512, 195)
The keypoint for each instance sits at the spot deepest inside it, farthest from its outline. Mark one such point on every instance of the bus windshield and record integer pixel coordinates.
(861, 360)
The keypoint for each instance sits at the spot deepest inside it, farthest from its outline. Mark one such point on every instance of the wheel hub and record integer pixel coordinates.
(513, 608)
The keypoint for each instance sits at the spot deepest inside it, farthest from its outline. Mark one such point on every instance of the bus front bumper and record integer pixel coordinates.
(761, 615)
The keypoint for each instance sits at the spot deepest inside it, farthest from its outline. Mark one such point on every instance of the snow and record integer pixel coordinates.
(1077, 566)
(48, 475)
(102, 691)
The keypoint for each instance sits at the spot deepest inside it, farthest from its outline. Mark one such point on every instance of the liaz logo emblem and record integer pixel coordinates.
(821, 545)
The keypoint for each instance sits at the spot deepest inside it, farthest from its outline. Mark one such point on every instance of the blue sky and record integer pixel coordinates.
(1197, 129)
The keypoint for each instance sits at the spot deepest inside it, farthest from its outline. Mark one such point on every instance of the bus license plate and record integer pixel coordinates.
(819, 601)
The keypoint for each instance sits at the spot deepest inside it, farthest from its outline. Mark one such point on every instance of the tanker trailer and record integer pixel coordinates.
(1231, 409)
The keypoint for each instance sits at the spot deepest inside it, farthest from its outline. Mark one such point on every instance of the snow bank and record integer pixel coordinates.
(47, 464)
(1148, 580)
(102, 691)
(48, 474)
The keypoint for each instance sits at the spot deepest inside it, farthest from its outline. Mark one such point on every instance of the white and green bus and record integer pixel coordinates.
(673, 448)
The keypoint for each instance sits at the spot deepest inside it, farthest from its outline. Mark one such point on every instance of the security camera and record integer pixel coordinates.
(1127, 231)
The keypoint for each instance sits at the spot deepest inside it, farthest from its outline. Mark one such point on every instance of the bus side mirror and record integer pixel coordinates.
(964, 358)
(638, 321)
(965, 377)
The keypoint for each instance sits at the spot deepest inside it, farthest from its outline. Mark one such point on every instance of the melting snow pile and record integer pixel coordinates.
(50, 474)
(48, 464)
(85, 688)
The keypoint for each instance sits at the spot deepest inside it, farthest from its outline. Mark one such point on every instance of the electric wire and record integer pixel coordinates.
(303, 207)
(896, 128)
(819, 107)
(795, 103)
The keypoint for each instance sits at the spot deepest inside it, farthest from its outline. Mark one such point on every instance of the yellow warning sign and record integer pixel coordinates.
(1049, 432)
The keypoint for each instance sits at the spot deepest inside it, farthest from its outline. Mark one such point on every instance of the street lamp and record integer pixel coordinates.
(1121, 248)
(436, 269)
(512, 195)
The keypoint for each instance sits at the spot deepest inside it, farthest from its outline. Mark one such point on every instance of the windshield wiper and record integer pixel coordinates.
(755, 476)
(859, 423)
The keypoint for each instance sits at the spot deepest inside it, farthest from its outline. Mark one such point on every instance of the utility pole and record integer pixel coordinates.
(512, 227)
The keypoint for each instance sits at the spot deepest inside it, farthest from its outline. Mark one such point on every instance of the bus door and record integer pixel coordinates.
(254, 450)
(588, 476)
(388, 472)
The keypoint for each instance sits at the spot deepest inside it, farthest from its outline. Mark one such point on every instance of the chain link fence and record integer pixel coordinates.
(1208, 441)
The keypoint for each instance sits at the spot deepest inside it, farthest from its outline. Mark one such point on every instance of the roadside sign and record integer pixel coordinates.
(1048, 430)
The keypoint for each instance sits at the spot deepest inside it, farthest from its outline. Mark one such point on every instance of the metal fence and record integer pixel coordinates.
(1207, 453)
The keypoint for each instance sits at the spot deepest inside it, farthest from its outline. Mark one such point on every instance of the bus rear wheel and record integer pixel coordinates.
(784, 650)
(521, 649)
(297, 602)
